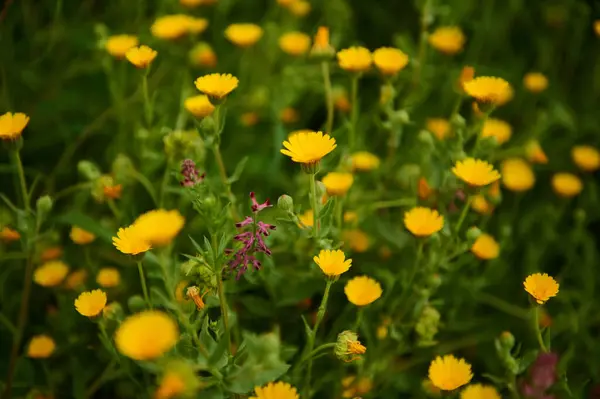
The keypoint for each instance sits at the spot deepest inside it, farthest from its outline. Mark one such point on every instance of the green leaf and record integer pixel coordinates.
(239, 168)
(527, 359)
(197, 246)
(76, 218)
(307, 329)
(327, 210)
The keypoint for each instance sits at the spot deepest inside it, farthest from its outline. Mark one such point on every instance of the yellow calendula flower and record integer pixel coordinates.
(108, 277)
(355, 59)
(216, 85)
(485, 247)
(12, 125)
(389, 60)
(362, 290)
(51, 274)
(276, 390)
(141, 56)
(308, 148)
(289, 115)
(146, 335)
(294, 43)
(196, 3)
(199, 106)
(197, 25)
(129, 240)
(423, 222)
(481, 205)
(466, 75)
(541, 287)
(488, 89)
(203, 55)
(299, 8)
(424, 191)
(517, 175)
(7, 234)
(118, 45)
(307, 218)
(448, 373)
(159, 227)
(321, 45)
(350, 216)
(170, 27)
(41, 347)
(338, 183)
(243, 35)
(447, 39)
(440, 127)
(475, 172)
(497, 128)
(172, 385)
(76, 279)
(587, 158)
(332, 262)
(535, 82)
(364, 161)
(566, 184)
(91, 303)
(357, 240)
(81, 236)
(479, 391)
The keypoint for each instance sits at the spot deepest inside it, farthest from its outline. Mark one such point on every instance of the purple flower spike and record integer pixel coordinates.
(191, 175)
(542, 375)
(256, 207)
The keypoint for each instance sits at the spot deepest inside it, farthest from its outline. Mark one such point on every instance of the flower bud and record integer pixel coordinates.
(425, 137)
(507, 340)
(579, 215)
(473, 233)
(44, 205)
(434, 281)
(285, 203)
(348, 348)
(407, 174)
(136, 304)
(113, 311)
(122, 168)
(400, 117)
(427, 326)
(88, 170)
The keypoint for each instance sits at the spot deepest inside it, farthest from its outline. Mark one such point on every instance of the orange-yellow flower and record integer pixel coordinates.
(118, 45)
(146, 335)
(76, 279)
(364, 161)
(108, 277)
(90, 303)
(51, 273)
(541, 287)
(203, 55)
(299, 8)
(249, 118)
(338, 183)
(423, 222)
(440, 127)
(171, 386)
(7, 234)
(448, 373)
(171, 27)
(517, 175)
(276, 390)
(308, 148)
(535, 153)
(130, 240)
(289, 115)
(485, 247)
(566, 184)
(141, 56)
(586, 157)
(447, 39)
(475, 172)
(12, 125)
(199, 106)
(321, 46)
(243, 35)
(357, 240)
(81, 236)
(479, 391)
(487, 89)
(362, 290)
(294, 43)
(497, 128)
(217, 85)
(332, 262)
(535, 82)
(159, 227)
(355, 59)
(389, 60)
(41, 347)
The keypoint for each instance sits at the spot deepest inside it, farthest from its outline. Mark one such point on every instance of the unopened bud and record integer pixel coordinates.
(113, 311)
(400, 117)
(88, 170)
(507, 340)
(188, 267)
(44, 205)
(425, 137)
(285, 203)
(473, 233)
(136, 304)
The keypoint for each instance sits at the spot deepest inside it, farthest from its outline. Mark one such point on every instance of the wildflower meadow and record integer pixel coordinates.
(284, 199)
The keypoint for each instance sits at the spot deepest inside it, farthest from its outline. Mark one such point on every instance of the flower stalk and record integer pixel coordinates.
(538, 331)
(354, 114)
(315, 205)
(328, 95)
(143, 282)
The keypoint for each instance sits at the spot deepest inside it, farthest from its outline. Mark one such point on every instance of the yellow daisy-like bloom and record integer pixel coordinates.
(497, 128)
(440, 127)
(488, 89)
(203, 55)
(338, 183)
(295, 132)
(41, 347)
(217, 85)
(517, 175)
(7, 234)
(466, 75)
(146, 335)
(485, 247)
(294, 43)
(199, 106)
(141, 56)
(12, 125)
(332, 262)
(159, 227)
(118, 45)
(108, 277)
(129, 240)
(423, 222)
(355, 59)
(475, 172)
(91, 303)
(389, 60)
(171, 386)
(541, 287)
(479, 391)
(76, 279)
(276, 390)
(364, 161)
(566, 184)
(170, 27)
(447, 39)
(81, 236)
(481, 205)
(357, 240)
(535, 153)
(448, 373)
(307, 218)
(299, 8)
(243, 35)
(586, 157)
(50, 274)
(535, 82)
(362, 290)
(308, 148)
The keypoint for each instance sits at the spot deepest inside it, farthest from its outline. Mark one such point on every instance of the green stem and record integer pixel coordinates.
(8, 324)
(354, 114)
(339, 213)
(328, 96)
(359, 317)
(143, 281)
(219, 159)
(147, 102)
(422, 44)
(463, 214)
(512, 387)
(317, 350)
(72, 189)
(143, 180)
(224, 312)
(315, 205)
(98, 382)
(113, 209)
(163, 184)
(393, 203)
(22, 181)
(538, 331)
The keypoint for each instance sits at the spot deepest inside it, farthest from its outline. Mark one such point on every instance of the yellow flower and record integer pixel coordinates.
(40, 347)
(440, 127)
(294, 43)
(364, 161)
(497, 128)
(7, 234)
(424, 191)
(276, 390)
(289, 115)
(130, 241)
(517, 175)
(535, 82)
(180, 291)
(389, 60)
(243, 35)
(196, 3)
(447, 39)
(332, 262)
(108, 277)
(112, 192)
(541, 287)
(566, 184)
(249, 118)
(487, 89)
(159, 227)
(350, 216)
(479, 391)
(217, 85)
(51, 274)
(91, 303)
(466, 75)
(171, 386)
(170, 27)
(348, 348)
(199, 106)
(51, 254)
(308, 148)
(423, 222)
(355, 59)
(448, 373)
(597, 27)
(321, 45)
(307, 218)
(12, 125)
(485, 247)
(141, 56)
(475, 172)
(118, 45)
(81, 236)
(362, 290)
(340, 99)
(146, 335)
(481, 205)
(356, 239)
(76, 279)
(197, 25)
(203, 55)
(586, 157)
(299, 8)
(337, 183)
(535, 153)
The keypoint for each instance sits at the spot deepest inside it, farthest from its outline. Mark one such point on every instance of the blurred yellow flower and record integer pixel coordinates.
(108, 277)
(12, 125)
(448, 373)
(321, 45)
(423, 189)
(355, 59)
(364, 161)
(485, 247)
(332, 262)
(535, 82)
(541, 287)
(203, 55)
(199, 106)
(338, 183)
(276, 390)
(129, 240)
(243, 35)
(249, 118)
(356, 239)
(497, 128)
(196, 3)
(141, 56)
(51, 273)
(90, 303)
(180, 291)
(389, 60)
(307, 218)
(289, 115)
(440, 127)
(294, 43)
(217, 85)
(76, 279)
(146, 335)
(112, 192)
(51, 253)
(170, 27)
(117, 45)
(535, 153)
(481, 205)
(423, 222)
(466, 75)
(586, 157)
(597, 27)
(487, 89)
(362, 290)
(40, 347)
(340, 100)
(517, 175)
(172, 385)
(308, 148)
(7, 234)
(447, 39)
(81, 236)
(350, 216)
(479, 391)
(299, 8)
(475, 172)
(566, 184)
(159, 227)
(197, 25)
